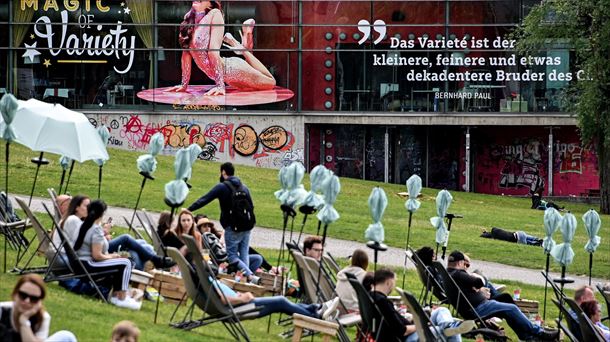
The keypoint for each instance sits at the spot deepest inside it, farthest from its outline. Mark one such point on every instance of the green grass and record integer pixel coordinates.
(121, 184)
(92, 320)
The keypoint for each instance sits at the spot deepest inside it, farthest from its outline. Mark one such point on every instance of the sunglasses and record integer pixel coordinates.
(24, 295)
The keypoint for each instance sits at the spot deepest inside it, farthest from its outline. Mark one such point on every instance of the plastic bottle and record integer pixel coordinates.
(517, 294)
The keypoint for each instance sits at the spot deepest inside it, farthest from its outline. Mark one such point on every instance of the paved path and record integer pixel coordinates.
(270, 238)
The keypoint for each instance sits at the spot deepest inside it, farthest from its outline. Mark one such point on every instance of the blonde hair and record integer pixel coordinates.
(125, 331)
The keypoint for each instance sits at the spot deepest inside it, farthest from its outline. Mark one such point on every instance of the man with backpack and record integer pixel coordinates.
(236, 214)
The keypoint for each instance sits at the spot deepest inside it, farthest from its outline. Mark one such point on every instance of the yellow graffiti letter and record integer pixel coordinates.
(71, 5)
(101, 7)
(50, 3)
(29, 3)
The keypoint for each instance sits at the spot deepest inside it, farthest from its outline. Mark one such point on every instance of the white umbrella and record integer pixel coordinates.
(53, 128)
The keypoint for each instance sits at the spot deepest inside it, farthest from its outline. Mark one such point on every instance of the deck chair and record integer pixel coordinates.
(428, 279)
(587, 329)
(421, 319)
(13, 231)
(460, 303)
(136, 233)
(152, 232)
(75, 265)
(606, 296)
(558, 294)
(45, 246)
(372, 319)
(56, 210)
(207, 298)
(572, 330)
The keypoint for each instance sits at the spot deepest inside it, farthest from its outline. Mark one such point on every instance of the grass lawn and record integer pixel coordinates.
(92, 320)
(121, 185)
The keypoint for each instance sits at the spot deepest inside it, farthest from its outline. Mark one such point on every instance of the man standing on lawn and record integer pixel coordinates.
(232, 195)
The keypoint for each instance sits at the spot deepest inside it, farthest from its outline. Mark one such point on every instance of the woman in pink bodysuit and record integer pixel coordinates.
(202, 34)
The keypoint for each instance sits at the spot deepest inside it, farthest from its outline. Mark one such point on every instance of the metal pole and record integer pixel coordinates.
(467, 161)
(550, 164)
(386, 156)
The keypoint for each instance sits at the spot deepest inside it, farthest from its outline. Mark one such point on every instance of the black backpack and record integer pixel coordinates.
(241, 213)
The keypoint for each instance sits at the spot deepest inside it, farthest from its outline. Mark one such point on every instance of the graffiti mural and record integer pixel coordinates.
(518, 165)
(522, 165)
(251, 143)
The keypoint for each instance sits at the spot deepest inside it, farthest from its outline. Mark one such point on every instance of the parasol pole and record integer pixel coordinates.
(546, 284)
(38, 162)
(137, 201)
(69, 175)
(404, 267)
(6, 188)
(590, 266)
(99, 183)
(61, 182)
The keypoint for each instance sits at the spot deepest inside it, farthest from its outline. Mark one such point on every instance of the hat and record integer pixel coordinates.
(456, 256)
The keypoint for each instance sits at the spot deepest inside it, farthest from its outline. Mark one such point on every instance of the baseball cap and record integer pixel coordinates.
(456, 256)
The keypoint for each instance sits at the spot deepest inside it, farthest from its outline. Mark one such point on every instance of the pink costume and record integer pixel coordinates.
(234, 71)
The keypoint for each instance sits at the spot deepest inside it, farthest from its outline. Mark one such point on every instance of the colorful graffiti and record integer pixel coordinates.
(568, 156)
(271, 146)
(522, 164)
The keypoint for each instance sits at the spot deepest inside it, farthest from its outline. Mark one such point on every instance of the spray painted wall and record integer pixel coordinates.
(263, 141)
(516, 162)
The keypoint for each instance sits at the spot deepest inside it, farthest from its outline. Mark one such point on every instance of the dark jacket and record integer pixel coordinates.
(469, 284)
(395, 325)
(221, 192)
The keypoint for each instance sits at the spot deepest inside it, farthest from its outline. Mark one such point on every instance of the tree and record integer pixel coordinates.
(584, 25)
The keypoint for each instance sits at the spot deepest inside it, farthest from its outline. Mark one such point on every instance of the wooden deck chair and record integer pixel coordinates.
(572, 330)
(152, 232)
(210, 301)
(588, 331)
(428, 279)
(421, 319)
(75, 265)
(462, 305)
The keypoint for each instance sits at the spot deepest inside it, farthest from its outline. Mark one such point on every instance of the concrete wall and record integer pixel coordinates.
(262, 140)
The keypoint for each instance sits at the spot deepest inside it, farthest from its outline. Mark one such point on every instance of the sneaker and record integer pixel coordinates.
(127, 303)
(254, 280)
(463, 328)
(332, 308)
(549, 335)
(499, 287)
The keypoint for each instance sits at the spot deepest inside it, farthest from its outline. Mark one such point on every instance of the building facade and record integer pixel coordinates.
(376, 90)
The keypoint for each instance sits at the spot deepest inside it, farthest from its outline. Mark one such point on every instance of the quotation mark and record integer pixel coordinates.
(365, 27)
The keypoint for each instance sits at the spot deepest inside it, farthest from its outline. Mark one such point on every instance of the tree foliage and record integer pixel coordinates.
(584, 26)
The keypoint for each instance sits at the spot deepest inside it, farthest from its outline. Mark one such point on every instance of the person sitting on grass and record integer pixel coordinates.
(277, 304)
(24, 318)
(397, 327)
(593, 310)
(92, 249)
(345, 291)
(125, 331)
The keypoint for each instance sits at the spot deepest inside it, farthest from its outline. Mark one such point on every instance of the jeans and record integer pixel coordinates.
(270, 305)
(237, 244)
(256, 260)
(441, 319)
(514, 317)
(140, 251)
